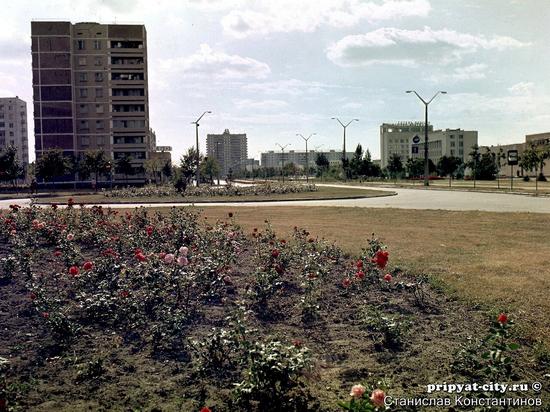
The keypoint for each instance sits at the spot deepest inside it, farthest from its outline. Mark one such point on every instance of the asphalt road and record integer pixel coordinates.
(405, 199)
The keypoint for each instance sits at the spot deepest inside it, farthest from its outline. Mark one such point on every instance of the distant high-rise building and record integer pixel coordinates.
(90, 89)
(13, 127)
(399, 138)
(230, 150)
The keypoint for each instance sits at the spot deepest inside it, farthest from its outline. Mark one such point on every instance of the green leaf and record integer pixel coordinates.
(513, 346)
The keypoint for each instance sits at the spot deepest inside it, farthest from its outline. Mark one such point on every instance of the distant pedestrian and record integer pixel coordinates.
(34, 186)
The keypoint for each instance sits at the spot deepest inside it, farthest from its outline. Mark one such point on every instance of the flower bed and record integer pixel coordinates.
(143, 310)
(211, 191)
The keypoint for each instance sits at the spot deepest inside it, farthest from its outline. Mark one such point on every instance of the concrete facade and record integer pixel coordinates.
(398, 138)
(230, 150)
(14, 127)
(91, 90)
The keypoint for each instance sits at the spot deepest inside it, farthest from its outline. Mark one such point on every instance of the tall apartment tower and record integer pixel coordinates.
(230, 150)
(13, 127)
(90, 90)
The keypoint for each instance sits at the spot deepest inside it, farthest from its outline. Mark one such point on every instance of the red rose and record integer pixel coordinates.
(388, 277)
(149, 230)
(87, 265)
(33, 296)
(45, 315)
(346, 282)
(381, 259)
(57, 253)
(275, 253)
(141, 257)
(360, 274)
(502, 318)
(124, 294)
(359, 264)
(73, 271)
(206, 409)
(162, 255)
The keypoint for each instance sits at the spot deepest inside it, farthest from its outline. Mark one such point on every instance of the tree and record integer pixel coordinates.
(289, 169)
(124, 167)
(210, 167)
(10, 169)
(51, 164)
(322, 162)
(167, 170)
(153, 167)
(356, 163)
(483, 166)
(395, 165)
(188, 164)
(448, 166)
(94, 162)
(415, 166)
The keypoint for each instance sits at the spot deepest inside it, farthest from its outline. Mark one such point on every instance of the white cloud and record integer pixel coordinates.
(216, 64)
(410, 47)
(259, 104)
(353, 106)
(264, 17)
(476, 71)
(292, 87)
(522, 88)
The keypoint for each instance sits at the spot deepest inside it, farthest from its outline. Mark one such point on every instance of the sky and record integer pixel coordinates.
(275, 68)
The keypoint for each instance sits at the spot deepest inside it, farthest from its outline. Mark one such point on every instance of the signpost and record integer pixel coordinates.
(513, 159)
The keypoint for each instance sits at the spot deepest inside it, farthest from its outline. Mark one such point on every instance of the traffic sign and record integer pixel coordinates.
(513, 157)
(416, 139)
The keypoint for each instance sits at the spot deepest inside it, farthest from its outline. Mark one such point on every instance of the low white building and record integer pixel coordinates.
(406, 139)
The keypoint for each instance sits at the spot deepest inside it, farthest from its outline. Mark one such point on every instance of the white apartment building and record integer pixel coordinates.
(230, 150)
(13, 127)
(400, 137)
(298, 157)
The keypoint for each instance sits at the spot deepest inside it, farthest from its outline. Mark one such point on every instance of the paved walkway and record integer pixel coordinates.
(405, 199)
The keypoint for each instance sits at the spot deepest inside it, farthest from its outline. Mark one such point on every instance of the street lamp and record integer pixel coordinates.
(283, 159)
(307, 158)
(344, 147)
(196, 123)
(426, 103)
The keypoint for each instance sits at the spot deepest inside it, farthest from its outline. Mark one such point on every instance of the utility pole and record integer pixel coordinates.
(426, 160)
(344, 145)
(196, 123)
(307, 158)
(283, 159)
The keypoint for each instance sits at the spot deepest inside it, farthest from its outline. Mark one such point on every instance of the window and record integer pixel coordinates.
(10, 125)
(80, 44)
(99, 108)
(83, 77)
(460, 144)
(84, 124)
(98, 92)
(83, 108)
(83, 92)
(82, 61)
(99, 77)
(85, 141)
(99, 124)
(452, 144)
(97, 44)
(100, 141)
(98, 61)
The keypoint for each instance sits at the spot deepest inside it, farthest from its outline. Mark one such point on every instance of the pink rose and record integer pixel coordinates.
(169, 258)
(182, 261)
(70, 237)
(377, 397)
(357, 391)
(184, 250)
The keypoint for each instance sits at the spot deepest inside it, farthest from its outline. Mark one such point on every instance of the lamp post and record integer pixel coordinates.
(344, 146)
(426, 103)
(307, 158)
(196, 123)
(283, 159)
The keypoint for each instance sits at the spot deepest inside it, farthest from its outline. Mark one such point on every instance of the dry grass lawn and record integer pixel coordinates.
(501, 260)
